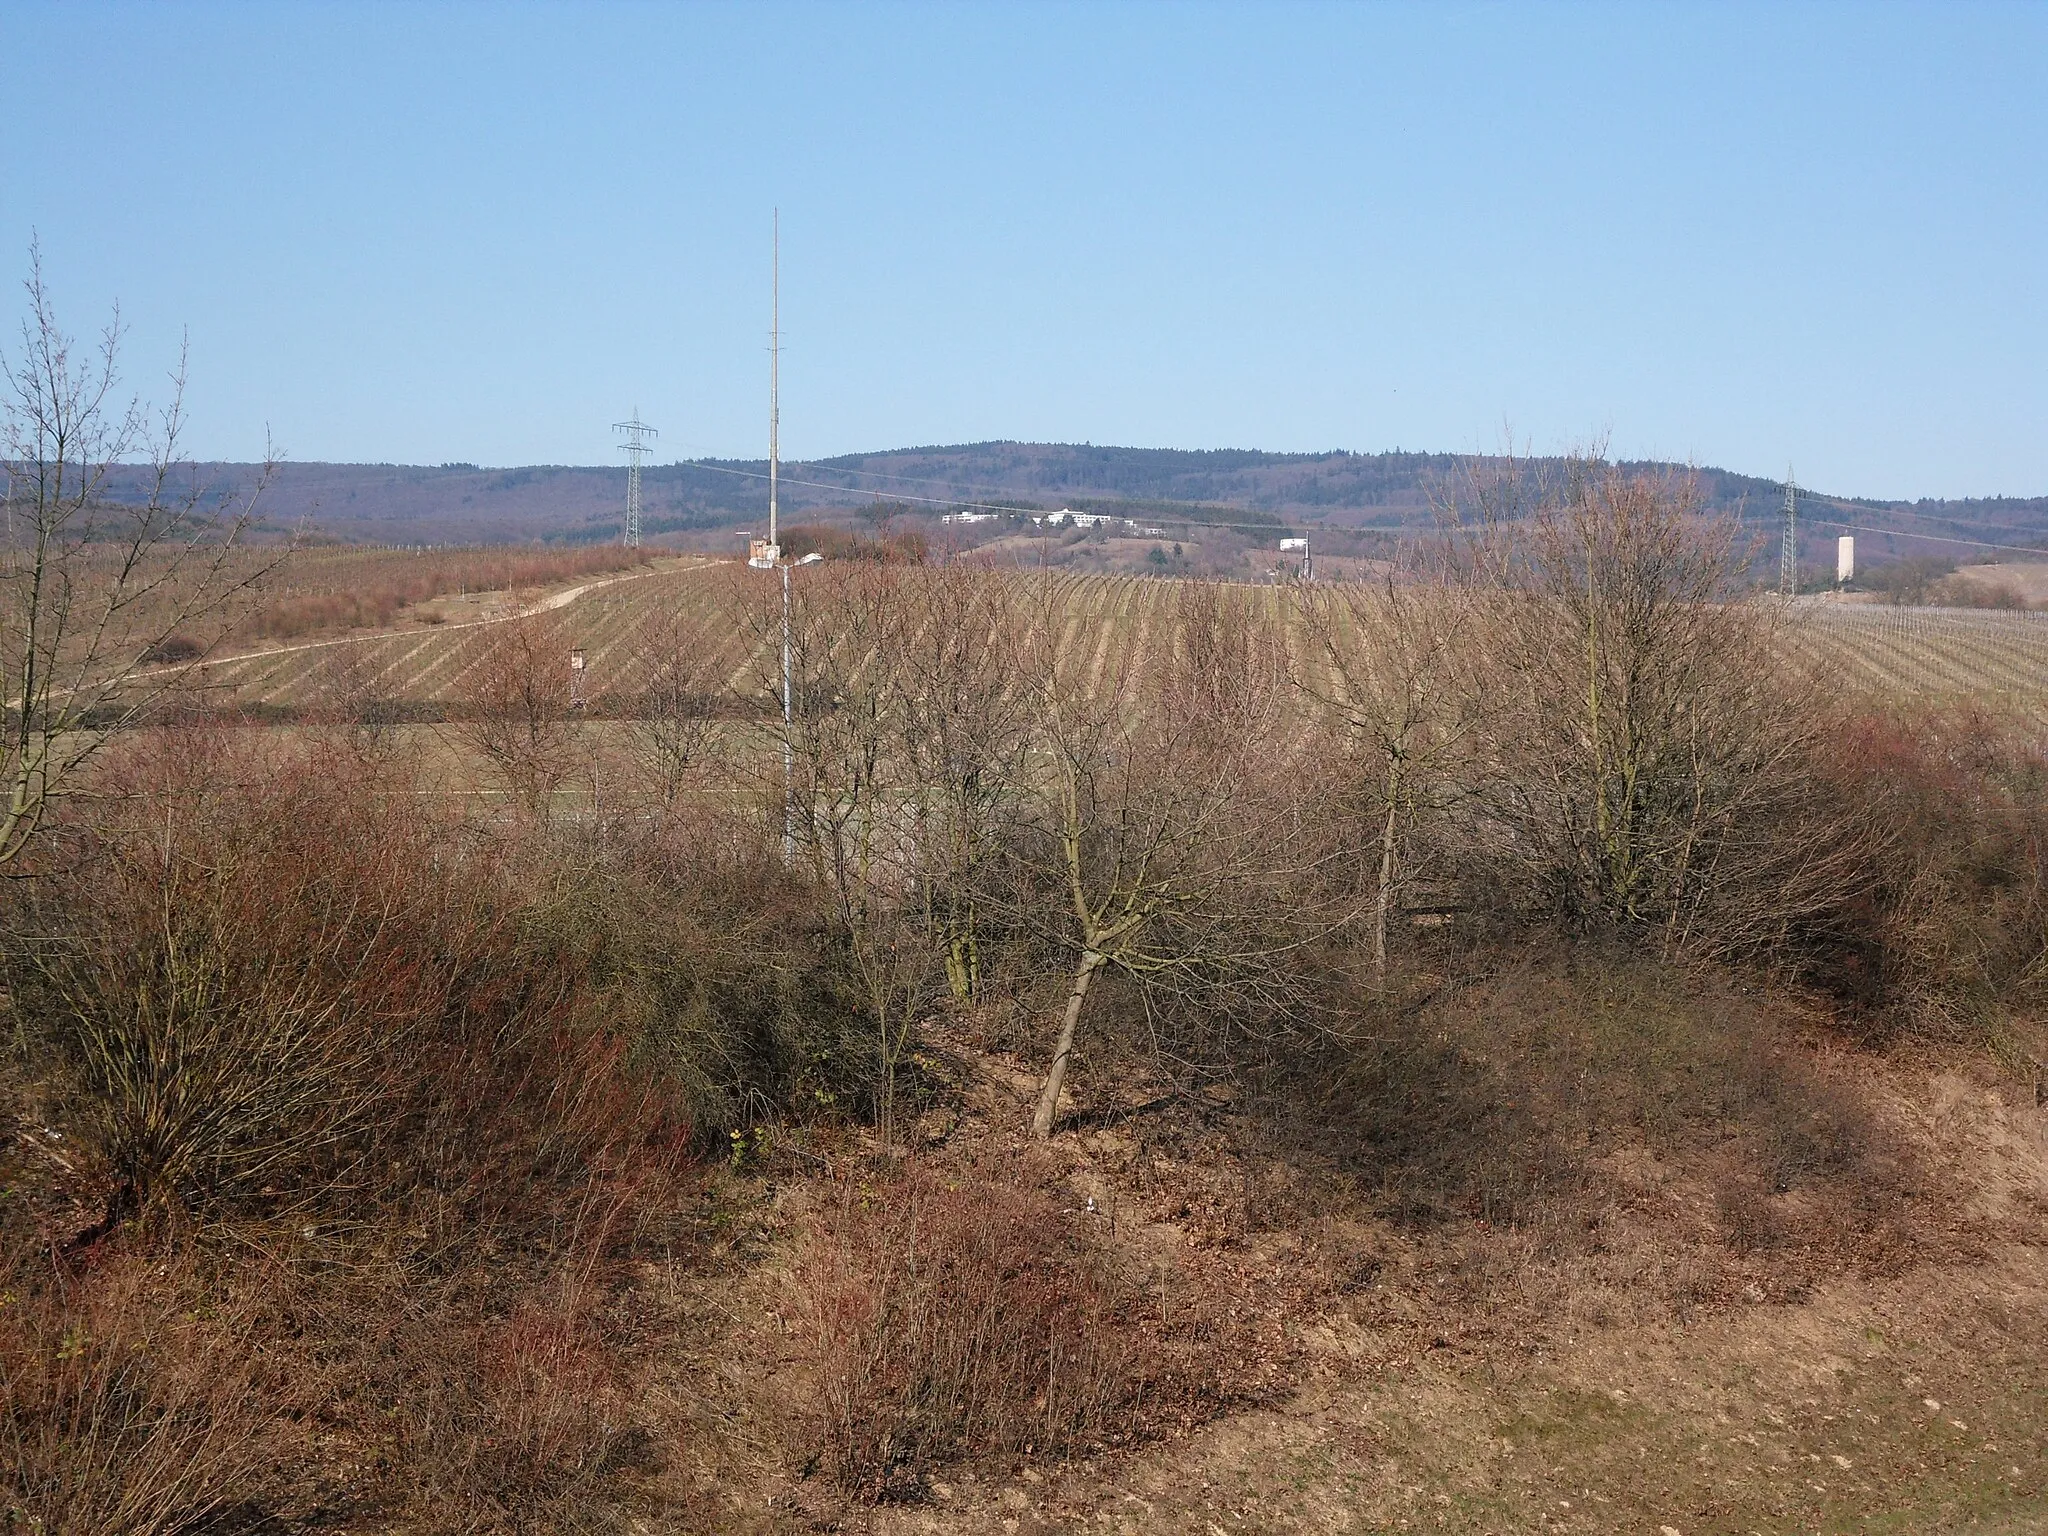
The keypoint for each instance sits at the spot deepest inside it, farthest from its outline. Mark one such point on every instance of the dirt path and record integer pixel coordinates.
(549, 604)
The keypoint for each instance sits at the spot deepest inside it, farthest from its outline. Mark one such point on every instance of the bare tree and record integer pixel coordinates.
(1162, 813)
(961, 739)
(99, 596)
(358, 697)
(520, 718)
(1395, 676)
(845, 799)
(1649, 761)
(673, 718)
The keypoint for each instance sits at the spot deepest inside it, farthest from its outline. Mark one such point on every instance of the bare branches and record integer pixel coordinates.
(93, 591)
(520, 718)
(1646, 761)
(1401, 690)
(1188, 853)
(673, 720)
(846, 796)
(962, 730)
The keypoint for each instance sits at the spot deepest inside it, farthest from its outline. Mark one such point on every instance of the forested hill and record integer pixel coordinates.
(387, 503)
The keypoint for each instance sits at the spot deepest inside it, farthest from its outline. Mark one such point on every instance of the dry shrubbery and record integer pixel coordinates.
(1951, 933)
(298, 1061)
(343, 1129)
(955, 1317)
(133, 1399)
(1493, 1103)
(519, 715)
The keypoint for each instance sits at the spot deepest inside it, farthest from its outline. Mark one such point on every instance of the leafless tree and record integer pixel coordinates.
(519, 715)
(1162, 811)
(357, 696)
(846, 802)
(961, 739)
(1391, 664)
(101, 600)
(1648, 763)
(673, 718)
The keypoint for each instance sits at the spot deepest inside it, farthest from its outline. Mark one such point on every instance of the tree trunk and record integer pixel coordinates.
(1384, 897)
(1056, 1075)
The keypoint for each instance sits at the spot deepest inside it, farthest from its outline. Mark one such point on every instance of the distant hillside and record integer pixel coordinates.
(389, 503)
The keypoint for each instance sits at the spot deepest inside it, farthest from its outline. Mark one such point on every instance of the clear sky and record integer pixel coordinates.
(1743, 235)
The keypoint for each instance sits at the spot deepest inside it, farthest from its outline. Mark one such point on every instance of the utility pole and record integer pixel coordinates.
(1788, 552)
(766, 554)
(788, 724)
(634, 446)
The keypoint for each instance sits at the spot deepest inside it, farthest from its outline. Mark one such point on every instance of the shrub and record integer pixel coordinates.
(172, 649)
(275, 1006)
(711, 961)
(1953, 932)
(1493, 1102)
(227, 989)
(1635, 768)
(958, 1317)
(131, 1406)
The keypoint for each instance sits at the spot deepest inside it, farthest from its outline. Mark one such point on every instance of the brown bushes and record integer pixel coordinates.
(1953, 931)
(522, 719)
(959, 1317)
(229, 989)
(130, 1402)
(1494, 1103)
(302, 1051)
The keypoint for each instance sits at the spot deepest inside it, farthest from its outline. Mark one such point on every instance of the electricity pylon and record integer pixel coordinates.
(636, 430)
(1788, 552)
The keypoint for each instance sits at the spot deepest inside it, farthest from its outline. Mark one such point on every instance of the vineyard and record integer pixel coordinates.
(1942, 656)
(1996, 660)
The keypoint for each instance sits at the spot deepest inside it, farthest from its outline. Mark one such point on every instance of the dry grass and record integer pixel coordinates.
(327, 1170)
(348, 1130)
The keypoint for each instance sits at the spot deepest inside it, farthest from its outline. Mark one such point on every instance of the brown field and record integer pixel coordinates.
(1987, 659)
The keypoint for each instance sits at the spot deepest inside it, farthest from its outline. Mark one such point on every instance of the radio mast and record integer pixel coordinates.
(636, 430)
(774, 378)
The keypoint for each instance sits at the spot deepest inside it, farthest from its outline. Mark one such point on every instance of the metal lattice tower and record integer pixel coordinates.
(634, 447)
(1788, 552)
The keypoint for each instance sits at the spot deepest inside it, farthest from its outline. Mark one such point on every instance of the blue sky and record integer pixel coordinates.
(1743, 235)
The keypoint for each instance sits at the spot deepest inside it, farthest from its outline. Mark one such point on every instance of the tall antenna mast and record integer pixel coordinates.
(775, 379)
(1788, 552)
(636, 430)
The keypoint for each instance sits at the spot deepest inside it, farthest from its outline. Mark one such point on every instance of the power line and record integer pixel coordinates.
(1930, 538)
